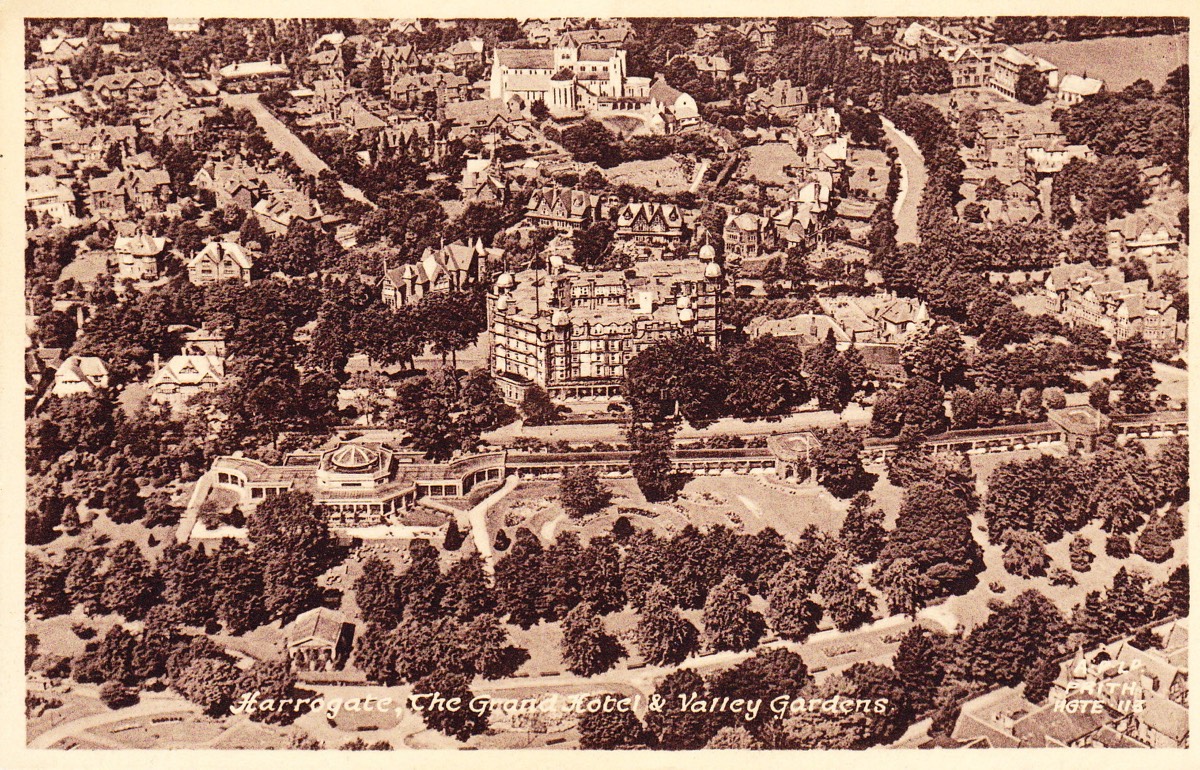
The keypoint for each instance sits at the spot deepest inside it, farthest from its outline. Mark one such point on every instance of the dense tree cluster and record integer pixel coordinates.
(1135, 122)
(1119, 487)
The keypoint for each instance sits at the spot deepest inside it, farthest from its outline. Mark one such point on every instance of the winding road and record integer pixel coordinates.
(913, 177)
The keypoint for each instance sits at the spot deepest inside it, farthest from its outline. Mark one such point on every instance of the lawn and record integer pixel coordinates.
(768, 163)
(749, 503)
(665, 175)
(74, 706)
(188, 732)
(1118, 61)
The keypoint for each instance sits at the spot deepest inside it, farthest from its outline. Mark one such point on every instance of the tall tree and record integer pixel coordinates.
(673, 728)
(662, 635)
(838, 460)
(607, 730)
(519, 580)
(862, 533)
(461, 723)
(130, 583)
(680, 376)
(587, 649)
(790, 611)
(1135, 376)
(933, 529)
(292, 543)
(840, 586)
(581, 492)
(765, 378)
(729, 623)
(375, 593)
(650, 463)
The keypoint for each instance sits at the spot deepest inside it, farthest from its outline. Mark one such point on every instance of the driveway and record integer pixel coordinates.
(282, 138)
(913, 177)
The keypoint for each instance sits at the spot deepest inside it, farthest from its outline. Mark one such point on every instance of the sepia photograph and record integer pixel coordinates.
(647, 383)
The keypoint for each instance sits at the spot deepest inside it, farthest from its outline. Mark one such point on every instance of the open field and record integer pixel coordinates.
(665, 175)
(1118, 61)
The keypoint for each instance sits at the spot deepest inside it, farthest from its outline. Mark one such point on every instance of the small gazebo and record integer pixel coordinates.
(793, 454)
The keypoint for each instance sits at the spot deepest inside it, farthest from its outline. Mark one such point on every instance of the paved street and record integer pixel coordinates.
(285, 141)
(912, 184)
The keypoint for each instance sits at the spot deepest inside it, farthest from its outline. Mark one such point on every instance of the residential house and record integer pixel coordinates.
(747, 236)
(1120, 308)
(107, 197)
(137, 256)
(46, 195)
(327, 63)
(354, 116)
(45, 119)
(1042, 162)
(1159, 182)
(465, 54)
(481, 117)
(148, 189)
(484, 181)
(92, 146)
(654, 229)
(203, 341)
(454, 267)
(49, 80)
(1143, 234)
(184, 376)
(833, 28)
(232, 184)
(220, 261)
(183, 27)
(563, 209)
(805, 329)
(969, 67)
(880, 319)
(181, 126)
(435, 89)
(277, 210)
(608, 37)
(671, 108)
(253, 76)
(398, 60)
(1006, 68)
(405, 27)
(1073, 89)
(80, 376)
(781, 99)
(60, 48)
(759, 32)
(796, 222)
(114, 30)
(718, 67)
(139, 86)
(882, 27)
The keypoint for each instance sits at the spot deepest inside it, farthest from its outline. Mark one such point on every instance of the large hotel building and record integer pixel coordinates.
(572, 333)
